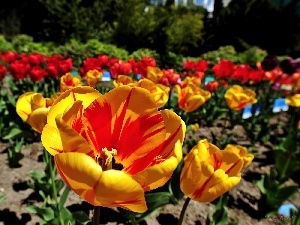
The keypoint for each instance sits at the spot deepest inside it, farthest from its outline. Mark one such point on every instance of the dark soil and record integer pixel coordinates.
(243, 205)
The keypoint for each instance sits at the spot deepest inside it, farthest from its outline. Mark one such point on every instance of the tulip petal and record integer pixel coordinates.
(38, 119)
(157, 175)
(125, 113)
(109, 188)
(175, 131)
(62, 138)
(85, 94)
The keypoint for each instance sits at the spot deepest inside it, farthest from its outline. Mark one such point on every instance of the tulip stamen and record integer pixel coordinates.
(106, 158)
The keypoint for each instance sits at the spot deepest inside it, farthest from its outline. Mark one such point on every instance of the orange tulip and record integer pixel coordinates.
(293, 100)
(159, 92)
(238, 98)
(191, 97)
(93, 77)
(69, 81)
(111, 148)
(242, 152)
(154, 74)
(209, 172)
(123, 80)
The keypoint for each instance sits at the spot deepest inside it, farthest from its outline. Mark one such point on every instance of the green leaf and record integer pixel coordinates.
(14, 132)
(64, 196)
(2, 197)
(81, 217)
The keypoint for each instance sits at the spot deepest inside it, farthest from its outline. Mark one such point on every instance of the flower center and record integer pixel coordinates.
(107, 161)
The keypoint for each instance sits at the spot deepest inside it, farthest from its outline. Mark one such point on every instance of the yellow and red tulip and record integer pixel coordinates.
(293, 100)
(191, 97)
(93, 77)
(238, 97)
(209, 172)
(154, 74)
(111, 148)
(242, 152)
(159, 92)
(68, 81)
(123, 80)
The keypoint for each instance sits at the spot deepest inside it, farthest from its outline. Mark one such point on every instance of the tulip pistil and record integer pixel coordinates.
(107, 161)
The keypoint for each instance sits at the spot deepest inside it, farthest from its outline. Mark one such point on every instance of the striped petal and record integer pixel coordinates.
(62, 138)
(127, 120)
(157, 175)
(109, 188)
(175, 131)
(85, 94)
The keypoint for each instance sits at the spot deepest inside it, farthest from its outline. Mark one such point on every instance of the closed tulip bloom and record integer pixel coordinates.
(68, 81)
(32, 108)
(159, 92)
(293, 100)
(112, 148)
(209, 172)
(238, 98)
(242, 152)
(93, 77)
(191, 97)
(154, 74)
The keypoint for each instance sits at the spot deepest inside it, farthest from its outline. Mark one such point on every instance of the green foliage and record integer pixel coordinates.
(252, 56)
(224, 52)
(184, 32)
(138, 54)
(25, 43)
(5, 45)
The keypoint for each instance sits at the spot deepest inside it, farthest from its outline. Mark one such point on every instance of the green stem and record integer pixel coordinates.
(96, 218)
(184, 207)
(54, 191)
(286, 165)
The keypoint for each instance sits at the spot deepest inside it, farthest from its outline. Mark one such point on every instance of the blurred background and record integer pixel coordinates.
(183, 27)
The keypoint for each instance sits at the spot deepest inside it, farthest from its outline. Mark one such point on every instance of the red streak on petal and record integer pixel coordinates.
(150, 159)
(57, 150)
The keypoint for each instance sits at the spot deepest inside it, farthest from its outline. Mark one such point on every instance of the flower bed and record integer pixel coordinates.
(139, 118)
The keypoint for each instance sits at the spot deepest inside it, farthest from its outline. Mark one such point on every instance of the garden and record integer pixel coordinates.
(93, 132)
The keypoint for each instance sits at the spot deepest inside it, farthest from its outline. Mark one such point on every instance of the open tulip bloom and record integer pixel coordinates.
(112, 148)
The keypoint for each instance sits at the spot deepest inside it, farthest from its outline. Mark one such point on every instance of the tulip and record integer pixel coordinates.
(209, 172)
(154, 74)
(238, 98)
(68, 81)
(293, 100)
(93, 77)
(212, 86)
(191, 97)
(112, 148)
(32, 108)
(123, 80)
(159, 92)
(188, 80)
(2, 71)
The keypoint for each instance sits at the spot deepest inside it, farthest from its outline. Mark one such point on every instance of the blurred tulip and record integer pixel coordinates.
(191, 97)
(123, 80)
(293, 100)
(159, 92)
(68, 81)
(212, 86)
(93, 77)
(269, 63)
(238, 98)
(154, 74)
(2, 71)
